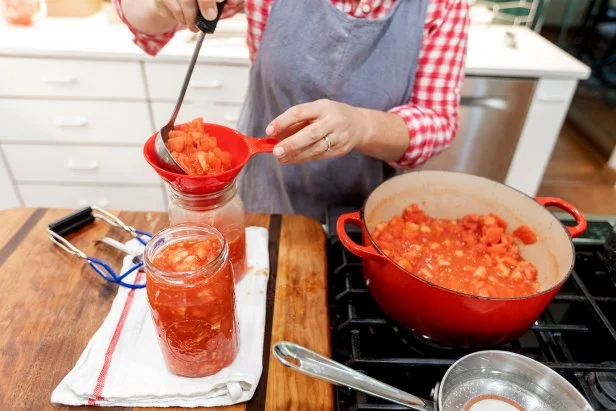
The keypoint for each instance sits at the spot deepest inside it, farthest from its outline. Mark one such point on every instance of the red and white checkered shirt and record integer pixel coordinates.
(432, 113)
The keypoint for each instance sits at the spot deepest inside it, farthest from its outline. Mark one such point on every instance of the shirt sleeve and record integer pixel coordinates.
(432, 114)
(153, 44)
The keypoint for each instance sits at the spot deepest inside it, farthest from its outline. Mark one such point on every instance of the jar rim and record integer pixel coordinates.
(196, 231)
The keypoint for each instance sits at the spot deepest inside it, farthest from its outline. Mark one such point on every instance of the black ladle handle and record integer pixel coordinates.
(208, 26)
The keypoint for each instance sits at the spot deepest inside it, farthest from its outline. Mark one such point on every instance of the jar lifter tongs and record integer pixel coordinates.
(72, 223)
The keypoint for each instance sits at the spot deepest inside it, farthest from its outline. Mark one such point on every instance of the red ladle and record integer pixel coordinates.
(241, 148)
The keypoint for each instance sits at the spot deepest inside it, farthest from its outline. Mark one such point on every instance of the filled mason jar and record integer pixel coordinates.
(191, 292)
(223, 209)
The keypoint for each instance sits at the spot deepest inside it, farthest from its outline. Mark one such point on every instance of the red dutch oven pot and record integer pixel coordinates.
(438, 313)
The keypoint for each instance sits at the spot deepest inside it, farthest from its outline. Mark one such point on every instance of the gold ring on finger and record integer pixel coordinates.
(329, 144)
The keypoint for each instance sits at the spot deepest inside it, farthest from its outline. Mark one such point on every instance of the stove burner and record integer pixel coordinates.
(425, 346)
(603, 385)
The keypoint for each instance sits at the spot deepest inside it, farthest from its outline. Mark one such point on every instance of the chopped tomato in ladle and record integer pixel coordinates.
(196, 151)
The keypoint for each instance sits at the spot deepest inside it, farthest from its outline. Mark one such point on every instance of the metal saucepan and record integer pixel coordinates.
(485, 380)
(441, 314)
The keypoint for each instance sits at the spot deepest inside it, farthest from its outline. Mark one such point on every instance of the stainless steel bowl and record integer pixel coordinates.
(482, 381)
(477, 381)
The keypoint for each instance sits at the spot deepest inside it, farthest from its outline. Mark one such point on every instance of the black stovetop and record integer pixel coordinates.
(576, 335)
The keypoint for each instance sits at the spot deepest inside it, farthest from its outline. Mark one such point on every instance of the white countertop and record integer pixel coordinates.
(95, 38)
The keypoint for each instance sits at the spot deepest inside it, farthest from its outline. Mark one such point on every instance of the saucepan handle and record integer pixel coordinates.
(581, 224)
(315, 365)
(362, 251)
(262, 145)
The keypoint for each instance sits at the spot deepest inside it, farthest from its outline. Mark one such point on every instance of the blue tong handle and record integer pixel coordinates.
(84, 217)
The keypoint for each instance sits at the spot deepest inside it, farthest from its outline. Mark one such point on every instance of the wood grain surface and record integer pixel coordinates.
(52, 303)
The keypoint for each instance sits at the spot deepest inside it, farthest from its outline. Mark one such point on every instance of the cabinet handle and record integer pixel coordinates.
(495, 103)
(206, 84)
(59, 79)
(92, 165)
(70, 122)
(103, 203)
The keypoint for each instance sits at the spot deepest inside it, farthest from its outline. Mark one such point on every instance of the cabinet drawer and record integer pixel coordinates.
(75, 196)
(208, 83)
(74, 121)
(225, 114)
(78, 164)
(70, 78)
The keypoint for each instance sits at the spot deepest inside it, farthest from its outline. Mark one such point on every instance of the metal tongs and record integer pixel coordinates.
(86, 216)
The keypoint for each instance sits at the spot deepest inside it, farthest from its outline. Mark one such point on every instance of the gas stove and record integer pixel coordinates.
(575, 336)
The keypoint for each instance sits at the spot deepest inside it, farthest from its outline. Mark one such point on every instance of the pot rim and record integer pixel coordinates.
(562, 226)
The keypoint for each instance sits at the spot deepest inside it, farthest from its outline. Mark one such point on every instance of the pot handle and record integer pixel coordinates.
(317, 366)
(359, 250)
(261, 145)
(576, 230)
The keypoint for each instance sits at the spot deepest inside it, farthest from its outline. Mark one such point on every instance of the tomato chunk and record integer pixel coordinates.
(473, 254)
(525, 234)
(196, 151)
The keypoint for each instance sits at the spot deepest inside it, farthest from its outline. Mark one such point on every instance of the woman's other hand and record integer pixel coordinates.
(326, 129)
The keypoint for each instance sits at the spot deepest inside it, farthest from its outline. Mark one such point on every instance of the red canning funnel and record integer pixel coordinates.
(241, 148)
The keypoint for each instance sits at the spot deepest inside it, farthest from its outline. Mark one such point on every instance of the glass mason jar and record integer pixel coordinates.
(193, 309)
(223, 209)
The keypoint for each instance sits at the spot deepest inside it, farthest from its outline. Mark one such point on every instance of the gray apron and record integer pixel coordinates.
(310, 50)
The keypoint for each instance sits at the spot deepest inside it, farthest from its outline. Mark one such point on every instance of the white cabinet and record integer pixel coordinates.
(8, 195)
(35, 77)
(212, 112)
(77, 196)
(72, 131)
(80, 122)
(79, 164)
(209, 82)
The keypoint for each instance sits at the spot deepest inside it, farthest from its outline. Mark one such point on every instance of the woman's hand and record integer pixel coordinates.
(185, 11)
(326, 129)
(306, 128)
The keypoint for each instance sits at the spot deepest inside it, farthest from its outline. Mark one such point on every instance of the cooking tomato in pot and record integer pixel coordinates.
(473, 254)
(190, 290)
(438, 312)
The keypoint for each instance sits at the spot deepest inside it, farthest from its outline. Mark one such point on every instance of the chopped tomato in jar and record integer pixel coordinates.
(473, 254)
(192, 299)
(196, 151)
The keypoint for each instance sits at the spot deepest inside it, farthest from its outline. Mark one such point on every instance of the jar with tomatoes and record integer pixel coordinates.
(191, 292)
(223, 209)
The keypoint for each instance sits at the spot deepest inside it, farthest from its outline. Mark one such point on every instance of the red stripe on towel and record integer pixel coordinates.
(100, 381)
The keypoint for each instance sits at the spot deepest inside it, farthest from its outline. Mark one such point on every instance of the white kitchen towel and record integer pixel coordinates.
(123, 365)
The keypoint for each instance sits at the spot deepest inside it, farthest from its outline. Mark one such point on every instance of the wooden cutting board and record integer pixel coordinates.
(52, 303)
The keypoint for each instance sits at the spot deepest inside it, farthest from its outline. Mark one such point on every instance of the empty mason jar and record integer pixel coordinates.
(223, 209)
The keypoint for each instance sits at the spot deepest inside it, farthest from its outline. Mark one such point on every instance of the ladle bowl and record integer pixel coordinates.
(241, 148)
